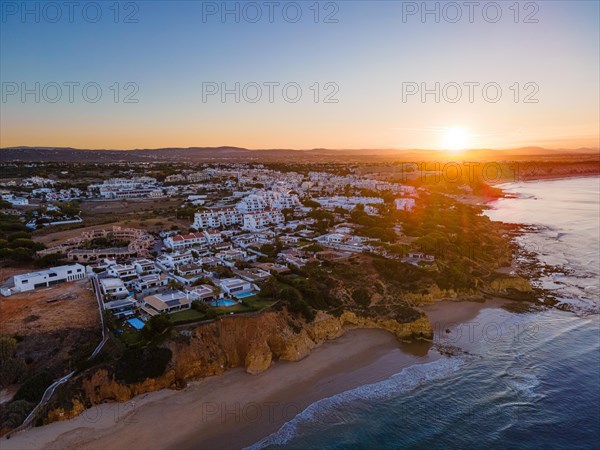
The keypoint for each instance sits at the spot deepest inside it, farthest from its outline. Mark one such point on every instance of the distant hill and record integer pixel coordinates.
(223, 154)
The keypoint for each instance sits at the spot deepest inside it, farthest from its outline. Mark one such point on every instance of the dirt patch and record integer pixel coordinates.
(150, 225)
(9, 272)
(69, 305)
(126, 206)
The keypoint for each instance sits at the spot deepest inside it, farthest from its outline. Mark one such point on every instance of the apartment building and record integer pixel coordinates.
(217, 218)
(259, 220)
(185, 241)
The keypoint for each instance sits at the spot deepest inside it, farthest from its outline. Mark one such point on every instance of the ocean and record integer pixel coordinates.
(525, 380)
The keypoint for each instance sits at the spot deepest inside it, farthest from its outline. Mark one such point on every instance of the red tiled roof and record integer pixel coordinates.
(186, 237)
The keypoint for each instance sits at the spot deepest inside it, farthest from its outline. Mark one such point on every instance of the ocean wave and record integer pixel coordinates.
(406, 380)
(523, 383)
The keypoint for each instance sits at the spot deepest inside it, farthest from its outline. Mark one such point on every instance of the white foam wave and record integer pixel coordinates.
(523, 383)
(406, 380)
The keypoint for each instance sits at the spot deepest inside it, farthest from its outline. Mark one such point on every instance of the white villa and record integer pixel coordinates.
(236, 286)
(174, 259)
(166, 302)
(45, 278)
(121, 308)
(145, 266)
(113, 288)
(344, 241)
(125, 272)
(151, 281)
(204, 292)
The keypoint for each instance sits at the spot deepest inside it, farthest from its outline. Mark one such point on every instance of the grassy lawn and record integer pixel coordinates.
(187, 315)
(129, 336)
(239, 308)
(258, 303)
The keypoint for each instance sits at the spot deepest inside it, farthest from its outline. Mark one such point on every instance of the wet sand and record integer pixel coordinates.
(236, 409)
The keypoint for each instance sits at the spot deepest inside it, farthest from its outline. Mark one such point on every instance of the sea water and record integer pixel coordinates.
(529, 380)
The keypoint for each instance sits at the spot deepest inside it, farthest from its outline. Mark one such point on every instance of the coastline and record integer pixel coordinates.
(552, 177)
(236, 409)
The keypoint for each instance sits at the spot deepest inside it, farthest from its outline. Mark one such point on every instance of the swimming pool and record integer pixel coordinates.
(224, 302)
(244, 295)
(136, 323)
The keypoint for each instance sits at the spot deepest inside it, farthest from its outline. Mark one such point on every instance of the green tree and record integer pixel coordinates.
(362, 296)
(157, 326)
(11, 368)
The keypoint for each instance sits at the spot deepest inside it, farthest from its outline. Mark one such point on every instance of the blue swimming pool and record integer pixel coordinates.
(244, 295)
(224, 302)
(136, 323)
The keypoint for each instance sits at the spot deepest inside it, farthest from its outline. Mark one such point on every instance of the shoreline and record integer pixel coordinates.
(558, 177)
(236, 409)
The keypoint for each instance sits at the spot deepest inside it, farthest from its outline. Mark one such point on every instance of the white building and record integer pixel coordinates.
(284, 201)
(124, 272)
(236, 286)
(213, 237)
(136, 187)
(251, 203)
(343, 241)
(15, 201)
(217, 218)
(258, 220)
(404, 204)
(166, 302)
(45, 278)
(174, 259)
(203, 292)
(347, 202)
(185, 241)
(150, 282)
(113, 288)
(121, 308)
(267, 200)
(145, 266)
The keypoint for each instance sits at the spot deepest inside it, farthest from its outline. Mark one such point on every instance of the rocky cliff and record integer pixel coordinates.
(252, 342)
(506, 284)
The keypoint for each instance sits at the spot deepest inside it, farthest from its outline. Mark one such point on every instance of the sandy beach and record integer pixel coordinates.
(237, 409)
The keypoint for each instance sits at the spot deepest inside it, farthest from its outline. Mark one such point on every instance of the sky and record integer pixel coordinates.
(345, 74)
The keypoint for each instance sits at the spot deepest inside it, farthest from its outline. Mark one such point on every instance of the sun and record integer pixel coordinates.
(455, 139)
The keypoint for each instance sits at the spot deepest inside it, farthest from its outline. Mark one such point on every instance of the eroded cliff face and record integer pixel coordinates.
(435, 294)
(506, 284)
(252, 342)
